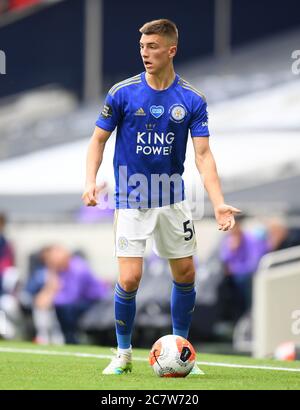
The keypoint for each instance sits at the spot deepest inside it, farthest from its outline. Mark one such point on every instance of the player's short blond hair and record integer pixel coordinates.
(163, 27)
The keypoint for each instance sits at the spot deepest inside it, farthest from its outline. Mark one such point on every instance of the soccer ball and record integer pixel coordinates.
(172, 356)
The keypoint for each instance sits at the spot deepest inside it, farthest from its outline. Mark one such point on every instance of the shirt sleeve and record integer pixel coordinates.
(199, 121)
(110, 115)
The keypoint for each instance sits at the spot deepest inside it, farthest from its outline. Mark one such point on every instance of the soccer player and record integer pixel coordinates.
(153, 112)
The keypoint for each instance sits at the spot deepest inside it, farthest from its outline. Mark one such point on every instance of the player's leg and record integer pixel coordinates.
(174, 239)
(183, 294)
(131, 232)
(183, 299)
(130, 269)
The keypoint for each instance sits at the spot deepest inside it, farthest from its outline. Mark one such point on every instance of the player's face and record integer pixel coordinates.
(157, 52)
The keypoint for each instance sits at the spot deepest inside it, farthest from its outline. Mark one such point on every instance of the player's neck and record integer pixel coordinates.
(162, 80)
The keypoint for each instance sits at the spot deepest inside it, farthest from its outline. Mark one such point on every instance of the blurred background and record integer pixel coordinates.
(58, 59)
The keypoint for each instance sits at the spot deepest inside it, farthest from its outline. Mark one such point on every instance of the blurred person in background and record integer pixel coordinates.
(280, 236)
(240, 253)
(9, 282)
(67, 286)
(6, 253)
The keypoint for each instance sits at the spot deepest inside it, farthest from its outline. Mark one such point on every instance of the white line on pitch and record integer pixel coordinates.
(142, 359)
(248, 366)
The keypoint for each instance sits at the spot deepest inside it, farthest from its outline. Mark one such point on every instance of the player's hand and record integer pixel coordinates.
(225, 216)
(91, 194)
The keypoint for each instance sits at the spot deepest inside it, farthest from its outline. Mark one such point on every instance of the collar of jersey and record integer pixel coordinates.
(174, 83)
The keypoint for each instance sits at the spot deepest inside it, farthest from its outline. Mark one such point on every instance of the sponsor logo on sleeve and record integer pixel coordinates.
(107, 111)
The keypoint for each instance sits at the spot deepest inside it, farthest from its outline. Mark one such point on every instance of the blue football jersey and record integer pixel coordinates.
(152, 132)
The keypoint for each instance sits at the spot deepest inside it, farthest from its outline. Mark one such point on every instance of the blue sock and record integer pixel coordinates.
(182, 307)
(124, 315)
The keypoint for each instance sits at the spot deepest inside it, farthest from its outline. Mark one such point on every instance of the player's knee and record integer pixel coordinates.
(187, 276)
(130, 284)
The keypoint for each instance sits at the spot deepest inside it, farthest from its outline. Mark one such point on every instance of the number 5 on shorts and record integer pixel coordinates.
(188, 230)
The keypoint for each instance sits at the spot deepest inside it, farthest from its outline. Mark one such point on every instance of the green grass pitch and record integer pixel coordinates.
(25, 366)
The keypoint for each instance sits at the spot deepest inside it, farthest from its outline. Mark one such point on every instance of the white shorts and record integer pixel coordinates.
(171, 227)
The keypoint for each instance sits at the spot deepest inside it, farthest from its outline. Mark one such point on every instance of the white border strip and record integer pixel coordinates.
(141, 359)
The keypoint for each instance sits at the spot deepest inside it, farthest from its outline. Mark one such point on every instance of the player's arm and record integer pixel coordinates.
(206, 166)
(93, 162)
